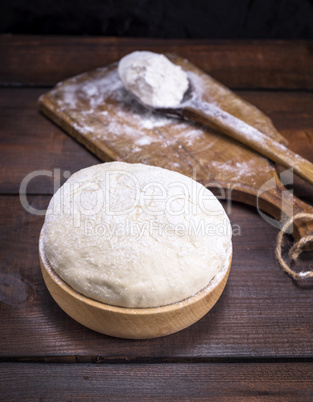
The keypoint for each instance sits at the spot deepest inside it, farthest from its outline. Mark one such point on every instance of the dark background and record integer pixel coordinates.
(253, 19)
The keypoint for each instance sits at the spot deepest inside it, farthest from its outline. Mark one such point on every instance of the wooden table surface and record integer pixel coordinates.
(255, 343)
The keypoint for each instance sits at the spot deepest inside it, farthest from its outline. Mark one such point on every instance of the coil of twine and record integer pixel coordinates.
(296, 249)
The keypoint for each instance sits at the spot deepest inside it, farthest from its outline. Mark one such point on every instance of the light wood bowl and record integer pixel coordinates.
(132, 323)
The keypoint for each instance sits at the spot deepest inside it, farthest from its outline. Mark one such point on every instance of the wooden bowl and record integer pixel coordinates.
(132, 323)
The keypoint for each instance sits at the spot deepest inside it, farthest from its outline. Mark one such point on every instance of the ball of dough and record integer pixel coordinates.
(133, 235)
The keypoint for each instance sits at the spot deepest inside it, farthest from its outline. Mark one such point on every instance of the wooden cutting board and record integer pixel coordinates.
(95, 109)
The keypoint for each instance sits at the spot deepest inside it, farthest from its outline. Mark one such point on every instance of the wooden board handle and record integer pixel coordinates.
(213, 116)
(280, 204)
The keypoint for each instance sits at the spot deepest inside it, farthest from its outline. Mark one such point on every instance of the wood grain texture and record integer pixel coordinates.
(46, 60)
(170, 382)
(97, 111)
(216, 118)
(261, 314)
(29, 142)
(257, 295)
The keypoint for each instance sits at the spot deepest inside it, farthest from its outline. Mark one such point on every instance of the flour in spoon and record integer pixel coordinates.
(153, 79)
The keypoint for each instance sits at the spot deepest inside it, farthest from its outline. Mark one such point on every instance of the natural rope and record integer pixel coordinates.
(296, 249)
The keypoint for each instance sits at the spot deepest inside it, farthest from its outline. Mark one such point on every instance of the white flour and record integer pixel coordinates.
(153, 79)
(110, 114)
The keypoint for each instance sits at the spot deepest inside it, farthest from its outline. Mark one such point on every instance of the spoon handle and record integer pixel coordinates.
(216, 118)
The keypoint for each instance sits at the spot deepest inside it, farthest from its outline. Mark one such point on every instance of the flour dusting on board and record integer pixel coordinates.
(93, 94)
(101, 109)
(100, 112)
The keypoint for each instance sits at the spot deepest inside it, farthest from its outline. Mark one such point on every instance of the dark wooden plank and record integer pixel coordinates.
(45, 60)
(30, 142)
(178, 382)
(261, 313)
